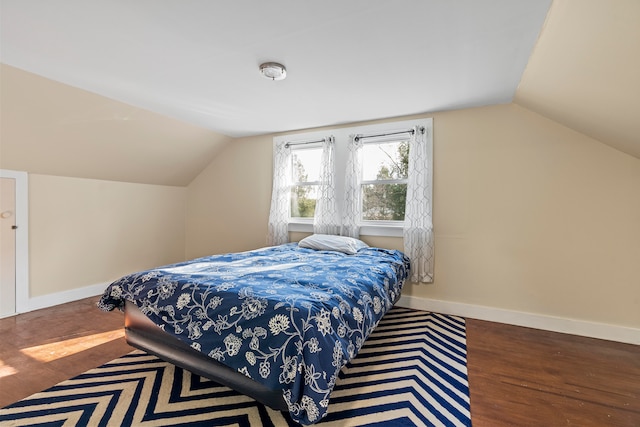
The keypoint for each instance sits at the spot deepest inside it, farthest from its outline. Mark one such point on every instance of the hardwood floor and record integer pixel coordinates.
(527, 377)
(41, 348)
(517, 376)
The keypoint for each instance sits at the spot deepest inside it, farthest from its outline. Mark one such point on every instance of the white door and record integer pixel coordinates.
(7, 247)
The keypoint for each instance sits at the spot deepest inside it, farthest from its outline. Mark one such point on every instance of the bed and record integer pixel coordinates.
(277, 324)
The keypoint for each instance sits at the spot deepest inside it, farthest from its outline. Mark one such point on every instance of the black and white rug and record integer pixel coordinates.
(411, 372)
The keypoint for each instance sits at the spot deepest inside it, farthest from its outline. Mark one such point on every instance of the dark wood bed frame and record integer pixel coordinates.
(142, 333)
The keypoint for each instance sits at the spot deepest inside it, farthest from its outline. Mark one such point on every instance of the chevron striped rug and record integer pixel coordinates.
(411, 372)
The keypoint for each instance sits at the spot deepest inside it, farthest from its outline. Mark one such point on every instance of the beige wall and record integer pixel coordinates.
(583, 71)
(529, 215)
(532, 216)
(83, 232)
(228, 203)
(50, 128)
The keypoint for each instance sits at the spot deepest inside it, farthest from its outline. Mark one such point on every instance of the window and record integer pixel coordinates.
(381, 185)
(305, 173)
(385, 167)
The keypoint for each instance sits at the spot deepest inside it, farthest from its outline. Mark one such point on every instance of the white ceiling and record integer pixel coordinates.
(347, 61)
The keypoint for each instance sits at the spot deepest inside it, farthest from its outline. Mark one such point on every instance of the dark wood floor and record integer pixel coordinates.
(517, 376)
(527, 377)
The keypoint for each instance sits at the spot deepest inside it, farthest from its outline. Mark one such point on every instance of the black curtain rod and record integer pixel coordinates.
(289, 144)
(411, 131)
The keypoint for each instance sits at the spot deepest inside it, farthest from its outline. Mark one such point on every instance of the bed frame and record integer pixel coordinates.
(142, 333)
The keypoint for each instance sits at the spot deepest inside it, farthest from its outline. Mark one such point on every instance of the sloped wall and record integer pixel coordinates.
(50, 128)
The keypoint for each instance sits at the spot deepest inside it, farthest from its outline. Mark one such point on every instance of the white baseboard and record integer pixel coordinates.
(530, 320)
(44, 301)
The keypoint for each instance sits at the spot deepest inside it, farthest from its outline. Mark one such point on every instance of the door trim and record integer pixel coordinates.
(22, 237)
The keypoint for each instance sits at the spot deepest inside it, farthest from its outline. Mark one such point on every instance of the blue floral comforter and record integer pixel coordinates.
(285, 316)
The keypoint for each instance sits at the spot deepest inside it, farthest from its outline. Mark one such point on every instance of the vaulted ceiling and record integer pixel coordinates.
(196, 61)
(347, 61)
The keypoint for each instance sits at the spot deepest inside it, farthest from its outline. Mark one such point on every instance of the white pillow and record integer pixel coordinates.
(327, 242)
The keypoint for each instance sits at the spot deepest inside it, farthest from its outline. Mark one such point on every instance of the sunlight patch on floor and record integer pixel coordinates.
(6, 370)
(57, 350)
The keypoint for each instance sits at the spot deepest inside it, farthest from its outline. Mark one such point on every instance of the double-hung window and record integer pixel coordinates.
(385, 167)
(378, 197)
(305, 172)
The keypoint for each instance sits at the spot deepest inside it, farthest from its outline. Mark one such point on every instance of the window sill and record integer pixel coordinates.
(365, 230)
(301, 226)
(381, 230)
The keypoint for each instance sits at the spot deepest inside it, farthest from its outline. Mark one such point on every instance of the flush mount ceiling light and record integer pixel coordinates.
(273, 71)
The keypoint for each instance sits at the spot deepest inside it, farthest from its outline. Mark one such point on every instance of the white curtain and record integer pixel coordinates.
(280, 195)
(326, 219)
(352, 211)
(418, 224)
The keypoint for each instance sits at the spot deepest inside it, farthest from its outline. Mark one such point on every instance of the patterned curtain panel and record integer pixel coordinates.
(280, 195)
(326, 219)
(418, 224)
(352, 211)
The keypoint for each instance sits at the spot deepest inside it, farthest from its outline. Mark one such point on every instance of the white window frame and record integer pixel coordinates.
(382, 223)
(299, 147)
(341, 137)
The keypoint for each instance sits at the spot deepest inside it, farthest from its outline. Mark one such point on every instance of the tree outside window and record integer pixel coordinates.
(305, 164)
(384, 184)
